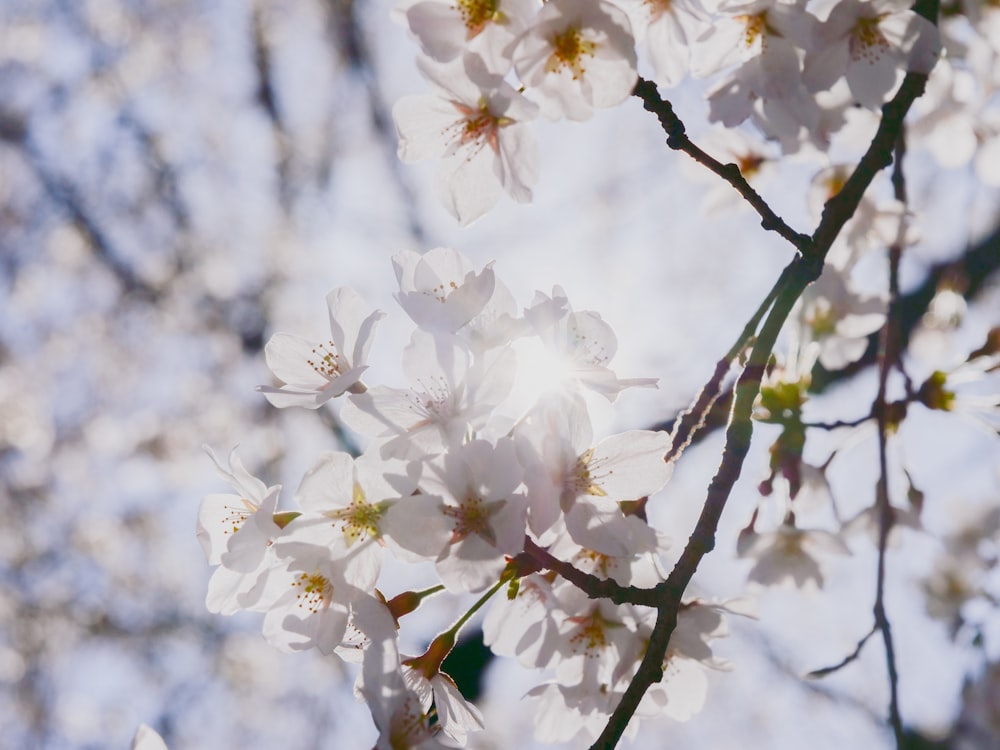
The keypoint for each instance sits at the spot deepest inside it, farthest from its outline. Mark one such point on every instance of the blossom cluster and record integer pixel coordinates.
(484, 460)
(468, 467)
(487, 467)
(797, 70)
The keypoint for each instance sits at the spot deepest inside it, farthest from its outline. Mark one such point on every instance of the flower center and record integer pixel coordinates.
(235, 517)
(436, 404)
(582, 481)
(360, 519)
(476, 129)
(658, 7)
(477, 13)
(314, 591)
(472, 517)
(569, 51)
(325, 360)
(591, 635)
(755, 28)
(822, 319)
(867, 41)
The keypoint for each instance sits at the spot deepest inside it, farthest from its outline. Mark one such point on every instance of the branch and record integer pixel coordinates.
(824, 671)
(690, 422)
(795, 278)
(591, 585)
(801, 272)
(678, 140)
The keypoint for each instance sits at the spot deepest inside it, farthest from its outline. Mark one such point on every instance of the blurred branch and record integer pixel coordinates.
(347, 31)
(67, 198)
(267, 98)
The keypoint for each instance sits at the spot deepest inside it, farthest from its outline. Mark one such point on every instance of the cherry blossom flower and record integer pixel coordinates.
(873, 225)
(447, 29)
(468, 516)
(957, 119)
(788, 553)
(236, 532)
(575, 713)
(682, 691)
(526, 627)
(475, 123)
(837, 320)
(671, 26)
(587, 482)
(308, 592)
(578, 55)
(761, 38)
(397, 710)
(353, 495)
(312, 372)
(869, 43)
(452, 396)
(581, 344)
(455, 714)
(439, 290)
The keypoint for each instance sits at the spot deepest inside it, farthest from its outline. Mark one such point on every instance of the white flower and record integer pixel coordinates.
(598, 637)
(353, 495)
(315, 372)
(671, 26)
(577, 56)
(470, 516)
(837, 320)
(452, 396)
(564, 470)
(456, 716)
(476, 125)
(581, 344)
(439, 289)
(308, 592)
(682, 691)
(788, 553)
(236, 532)
(525, 628)
(447, 29)
(762, 38)
(869, 43)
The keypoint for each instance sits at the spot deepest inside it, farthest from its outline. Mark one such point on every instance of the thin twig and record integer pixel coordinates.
(824, 671)
(836, 424)
(693, 420)
(591, 585)
(678, 140)
(888, 356)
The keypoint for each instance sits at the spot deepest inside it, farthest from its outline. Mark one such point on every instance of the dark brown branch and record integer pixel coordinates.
(591, 585)
(678, 140)
(836, 424)
(888, 359)
(796, 277)
(824, 671)
(805, 269)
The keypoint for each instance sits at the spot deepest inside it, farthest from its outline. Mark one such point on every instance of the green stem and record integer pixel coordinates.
(453, 631)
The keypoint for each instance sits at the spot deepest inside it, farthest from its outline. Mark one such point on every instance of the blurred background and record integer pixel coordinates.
(179, 179)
